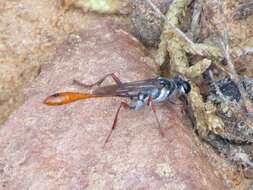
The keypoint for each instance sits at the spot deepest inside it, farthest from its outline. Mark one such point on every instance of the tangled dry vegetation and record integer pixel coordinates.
(221, 99)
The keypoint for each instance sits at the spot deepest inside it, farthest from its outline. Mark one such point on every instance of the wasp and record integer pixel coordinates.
(141, 93)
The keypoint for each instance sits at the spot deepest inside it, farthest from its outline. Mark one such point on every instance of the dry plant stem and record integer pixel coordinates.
(195, 24)
(227, 56)
(222, 68)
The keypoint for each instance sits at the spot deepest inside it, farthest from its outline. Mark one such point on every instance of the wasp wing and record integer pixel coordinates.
(130, 89)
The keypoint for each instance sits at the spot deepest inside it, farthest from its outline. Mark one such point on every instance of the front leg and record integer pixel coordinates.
(99, 82)
(151, 103)
(134, 106)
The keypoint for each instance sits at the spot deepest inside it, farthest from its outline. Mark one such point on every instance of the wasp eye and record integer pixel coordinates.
(187, 87)
(162, 82)
(55, 95)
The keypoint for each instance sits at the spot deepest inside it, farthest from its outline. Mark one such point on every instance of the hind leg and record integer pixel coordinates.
(124, 105)
(99, 82)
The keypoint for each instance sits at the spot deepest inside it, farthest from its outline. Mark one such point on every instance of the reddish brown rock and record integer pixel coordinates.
(146, 25)
(45, 147)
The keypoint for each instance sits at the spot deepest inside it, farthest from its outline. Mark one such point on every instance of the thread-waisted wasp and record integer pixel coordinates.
(141, 93)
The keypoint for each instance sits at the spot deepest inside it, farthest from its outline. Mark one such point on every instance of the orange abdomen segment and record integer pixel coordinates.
(62, 98)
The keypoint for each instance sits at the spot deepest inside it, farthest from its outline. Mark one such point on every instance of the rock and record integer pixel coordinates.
(14, 73)
(146, 25)
(45, 147)
(30, 33)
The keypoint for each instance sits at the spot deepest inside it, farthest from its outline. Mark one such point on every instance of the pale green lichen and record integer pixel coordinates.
(177, 8)
(198, 68)
(96, 5)
(206, 49)
(198, 109)
(100, 6)
(214, 123)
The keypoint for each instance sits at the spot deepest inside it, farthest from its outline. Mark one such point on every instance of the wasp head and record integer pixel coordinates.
(183, 86)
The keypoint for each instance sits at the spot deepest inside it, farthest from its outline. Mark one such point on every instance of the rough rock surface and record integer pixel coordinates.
(146, 25)
(30, 33)
(45, 147)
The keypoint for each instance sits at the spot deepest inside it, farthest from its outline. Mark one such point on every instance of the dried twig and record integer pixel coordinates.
(225, 47)
(222, 68)
(196, 15)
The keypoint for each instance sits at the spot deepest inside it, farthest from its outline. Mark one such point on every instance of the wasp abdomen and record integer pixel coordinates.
(66, 97)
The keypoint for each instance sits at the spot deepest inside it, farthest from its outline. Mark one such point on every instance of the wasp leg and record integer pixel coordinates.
(170, 101)
(151, 103)
(99, 82)
(124, 105)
